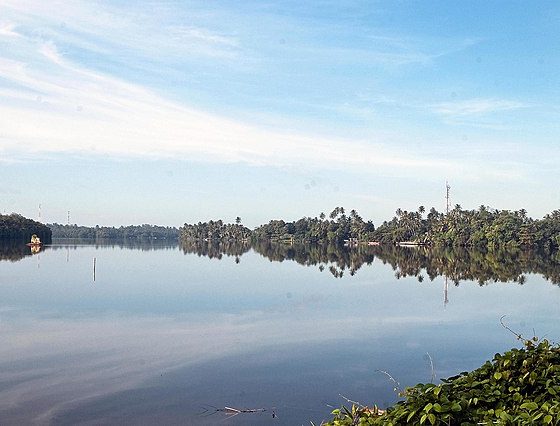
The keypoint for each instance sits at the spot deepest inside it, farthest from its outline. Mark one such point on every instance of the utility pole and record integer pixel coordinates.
(447, 188)
(68, 217)
(39, 212)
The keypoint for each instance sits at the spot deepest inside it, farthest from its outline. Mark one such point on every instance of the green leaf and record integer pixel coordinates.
(432, 418)
(505, 416)
(497, 375)
(529, 406)
(538, 416)
(412, 413)
(456, 407)
(547, 419)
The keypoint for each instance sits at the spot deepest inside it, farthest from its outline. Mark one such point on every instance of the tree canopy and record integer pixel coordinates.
(482, 228)
(16, 227)
(147, 232)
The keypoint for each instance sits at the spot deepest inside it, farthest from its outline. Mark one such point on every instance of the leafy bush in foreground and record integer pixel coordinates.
(521, 386)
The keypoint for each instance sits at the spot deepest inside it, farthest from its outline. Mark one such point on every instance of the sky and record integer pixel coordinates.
(168, 112)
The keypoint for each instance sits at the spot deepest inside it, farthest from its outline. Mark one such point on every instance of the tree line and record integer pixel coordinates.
(215, 231)
(143, 232)
(480, 228)
(16, 227)
(337, 228)
(484, 228)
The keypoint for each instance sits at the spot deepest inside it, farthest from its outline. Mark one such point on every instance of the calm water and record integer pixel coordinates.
(164, 332)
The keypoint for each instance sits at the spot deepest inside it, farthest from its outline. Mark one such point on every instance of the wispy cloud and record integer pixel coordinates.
(8, 30)
(87, 358)
(66, 108)
(92, 26)
(55, 103)
(476, 107)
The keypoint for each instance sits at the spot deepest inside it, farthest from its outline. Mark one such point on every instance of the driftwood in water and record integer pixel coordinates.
(232, 412)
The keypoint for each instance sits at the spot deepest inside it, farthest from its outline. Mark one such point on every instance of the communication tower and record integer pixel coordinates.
(447, 188)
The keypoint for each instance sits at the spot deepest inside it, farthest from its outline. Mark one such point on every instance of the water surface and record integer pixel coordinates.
(165, 333)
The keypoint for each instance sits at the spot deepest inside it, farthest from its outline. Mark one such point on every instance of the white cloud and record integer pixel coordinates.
(68, 108)
(54, 105)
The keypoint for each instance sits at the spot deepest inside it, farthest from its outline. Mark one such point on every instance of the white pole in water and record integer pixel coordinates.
(39, 212)
(445, 290)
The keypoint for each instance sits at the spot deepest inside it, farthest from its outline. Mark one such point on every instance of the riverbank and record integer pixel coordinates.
(520, 386)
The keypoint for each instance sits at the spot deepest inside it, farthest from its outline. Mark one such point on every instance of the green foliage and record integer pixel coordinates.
(521, 386)
(337, 229)
(214, 231)
(482, 228)
(17, 227)
(143, 232)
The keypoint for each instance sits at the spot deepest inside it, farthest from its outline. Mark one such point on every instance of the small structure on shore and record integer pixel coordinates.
(35, 240)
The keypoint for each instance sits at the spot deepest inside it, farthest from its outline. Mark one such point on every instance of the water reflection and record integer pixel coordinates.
(454, 264)
(165, 329)
(217, 250)
(484, 267)
(16, 250)
(133, 244)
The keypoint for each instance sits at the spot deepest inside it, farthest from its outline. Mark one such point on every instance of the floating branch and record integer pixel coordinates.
(210, 410)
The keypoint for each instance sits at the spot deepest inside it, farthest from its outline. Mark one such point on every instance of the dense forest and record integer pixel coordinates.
(481, 228)
(17, 227)
(337, 229)
(215, 231)
(144, 232)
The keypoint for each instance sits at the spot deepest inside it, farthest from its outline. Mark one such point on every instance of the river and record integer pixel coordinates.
(173, 335)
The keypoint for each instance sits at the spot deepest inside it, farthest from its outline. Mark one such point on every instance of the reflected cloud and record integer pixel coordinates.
(49, 365)
(64, 345)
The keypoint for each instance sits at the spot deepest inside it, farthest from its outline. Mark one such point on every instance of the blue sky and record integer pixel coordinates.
(171, 112)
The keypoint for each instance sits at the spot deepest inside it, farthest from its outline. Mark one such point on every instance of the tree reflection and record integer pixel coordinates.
(14, 250)
(336, 259)
(455, 264)
(215, 249)
(460, 264)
